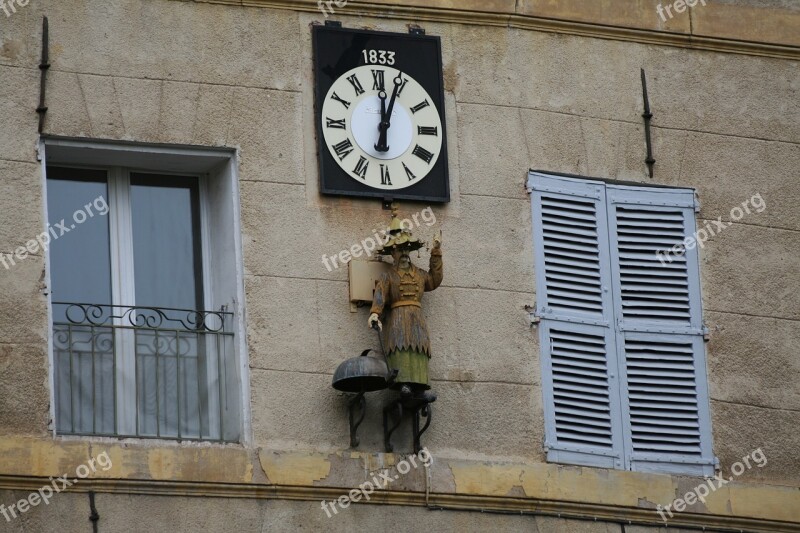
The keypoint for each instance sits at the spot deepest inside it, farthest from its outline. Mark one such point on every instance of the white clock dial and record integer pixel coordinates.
(351, 125)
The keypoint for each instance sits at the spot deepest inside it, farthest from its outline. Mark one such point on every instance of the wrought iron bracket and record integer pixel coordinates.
(418, 407)
(387, 415)
(43, 66)
(426, 411)
(359, 403)
(648, 117)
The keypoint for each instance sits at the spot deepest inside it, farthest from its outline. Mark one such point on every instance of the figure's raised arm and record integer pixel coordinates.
(435, 273)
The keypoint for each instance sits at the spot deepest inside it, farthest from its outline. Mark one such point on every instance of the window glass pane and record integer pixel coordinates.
(80, 272)
(166, 241)
(171, 365)
(80, 258)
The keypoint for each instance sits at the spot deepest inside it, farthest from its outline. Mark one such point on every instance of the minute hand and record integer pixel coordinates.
(386, 120)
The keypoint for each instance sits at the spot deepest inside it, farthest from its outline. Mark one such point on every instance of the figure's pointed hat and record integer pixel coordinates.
(399, 237)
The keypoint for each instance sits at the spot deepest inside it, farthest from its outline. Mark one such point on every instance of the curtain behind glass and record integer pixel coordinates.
(171, 362)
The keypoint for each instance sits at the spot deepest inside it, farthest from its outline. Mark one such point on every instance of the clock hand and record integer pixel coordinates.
(383, 126)
(386, 118)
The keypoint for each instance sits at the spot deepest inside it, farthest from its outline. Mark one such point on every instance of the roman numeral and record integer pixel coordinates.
(423, 154)
(356, 84)
(385, 179)
(402, 86)
(428, 130)
(411, 176)
(361, 168)
(419, 106)
(345, 103)
(378, 83)
(343, 149)
(336, 124)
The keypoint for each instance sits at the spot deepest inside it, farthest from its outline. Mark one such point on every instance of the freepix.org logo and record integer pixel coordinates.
(55, 486)
(9, 7)
(327, 6)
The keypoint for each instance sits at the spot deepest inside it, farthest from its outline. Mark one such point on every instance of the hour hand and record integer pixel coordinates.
(386, 114)
(383, 126)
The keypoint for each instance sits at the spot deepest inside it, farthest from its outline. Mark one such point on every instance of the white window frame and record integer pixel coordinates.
(614, 328)
(223, 281)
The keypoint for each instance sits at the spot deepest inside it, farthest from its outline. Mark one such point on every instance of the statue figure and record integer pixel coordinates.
(398, 295)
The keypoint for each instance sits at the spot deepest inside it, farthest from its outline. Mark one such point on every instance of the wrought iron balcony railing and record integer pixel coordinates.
(145, 372)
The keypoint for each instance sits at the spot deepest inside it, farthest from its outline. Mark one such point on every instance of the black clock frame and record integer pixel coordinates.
(338, 50)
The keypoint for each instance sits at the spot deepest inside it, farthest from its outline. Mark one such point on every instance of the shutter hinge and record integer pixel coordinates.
(706, 333)
(696, 202)
(533, 315)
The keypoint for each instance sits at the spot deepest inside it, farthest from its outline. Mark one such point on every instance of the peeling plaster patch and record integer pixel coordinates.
(442, 477)
(451, 78)
(286, 469)
(516, 492)
(486, 479)
(40, 458)
(374, 462)
(558, 482)
(644, 503)
(199, 463)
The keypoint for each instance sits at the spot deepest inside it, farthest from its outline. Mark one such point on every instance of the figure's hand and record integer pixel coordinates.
(437, 240)
(374, 321)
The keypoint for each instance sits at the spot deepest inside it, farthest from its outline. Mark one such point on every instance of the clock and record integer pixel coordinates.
(380, 115)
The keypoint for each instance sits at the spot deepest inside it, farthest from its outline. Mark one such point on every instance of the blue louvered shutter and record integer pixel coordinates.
(657, 306)
(573, 293)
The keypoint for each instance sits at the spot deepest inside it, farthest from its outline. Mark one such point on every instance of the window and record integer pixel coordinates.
(623, 363)
(145, 292)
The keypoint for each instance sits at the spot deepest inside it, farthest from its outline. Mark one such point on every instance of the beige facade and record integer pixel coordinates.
(529, 84)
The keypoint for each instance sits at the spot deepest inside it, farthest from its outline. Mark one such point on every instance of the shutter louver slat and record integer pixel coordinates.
(651, 290)
(580, 388)
(571, 248)
(662, 382)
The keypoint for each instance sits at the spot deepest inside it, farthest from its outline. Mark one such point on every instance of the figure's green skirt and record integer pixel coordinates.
(413, 368)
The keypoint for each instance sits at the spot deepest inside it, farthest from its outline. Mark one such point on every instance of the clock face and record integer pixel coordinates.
(379, 114)
(378, 149)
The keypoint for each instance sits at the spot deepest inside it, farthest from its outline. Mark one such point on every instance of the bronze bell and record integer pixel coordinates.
(361, 374)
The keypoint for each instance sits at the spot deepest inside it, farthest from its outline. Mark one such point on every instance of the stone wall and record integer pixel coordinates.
(210, 74)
